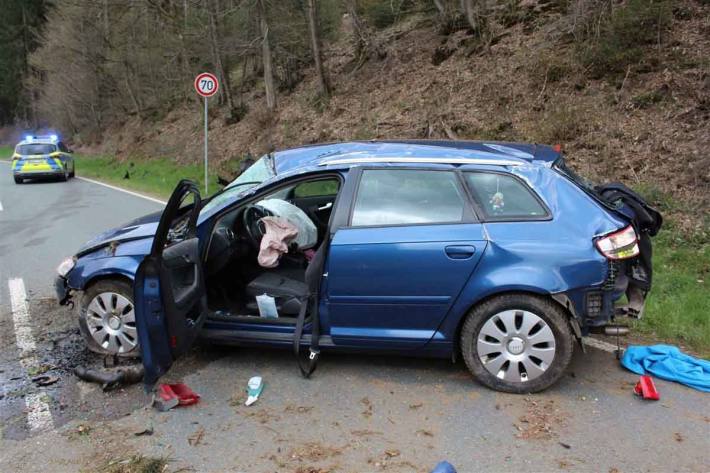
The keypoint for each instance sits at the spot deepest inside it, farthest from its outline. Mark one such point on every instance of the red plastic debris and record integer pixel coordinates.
(646, 389)
(557, 147)
(179, 394)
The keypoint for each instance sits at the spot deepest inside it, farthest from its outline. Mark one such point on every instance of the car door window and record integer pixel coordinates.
(504, 197)
(407, 196)
(323, 187)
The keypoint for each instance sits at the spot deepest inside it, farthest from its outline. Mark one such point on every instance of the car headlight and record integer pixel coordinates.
(66, 266)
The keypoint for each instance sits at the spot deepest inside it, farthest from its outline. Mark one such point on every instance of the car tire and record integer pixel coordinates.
(104, 321)
(18, 180)
(517, 343)
(64, 177)
(72, 174)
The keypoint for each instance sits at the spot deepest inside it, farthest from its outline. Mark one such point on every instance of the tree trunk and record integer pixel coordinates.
(226, 89)
(312, 7)
(469, 13)
(266, 54)
(441, 7)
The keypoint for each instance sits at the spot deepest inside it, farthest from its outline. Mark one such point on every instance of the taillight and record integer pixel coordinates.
(619, 245)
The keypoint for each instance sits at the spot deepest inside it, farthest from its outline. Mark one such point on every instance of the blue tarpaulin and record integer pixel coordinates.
(669, 363)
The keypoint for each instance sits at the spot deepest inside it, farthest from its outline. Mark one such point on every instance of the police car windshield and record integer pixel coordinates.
(257, 173)
(36, 148)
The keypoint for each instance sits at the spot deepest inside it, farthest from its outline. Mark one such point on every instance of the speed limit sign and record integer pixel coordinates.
(206, 84)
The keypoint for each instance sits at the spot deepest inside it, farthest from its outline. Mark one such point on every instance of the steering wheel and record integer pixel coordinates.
(252, 215)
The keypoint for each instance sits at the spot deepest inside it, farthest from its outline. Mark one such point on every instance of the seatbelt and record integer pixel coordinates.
(314, 273)
(307, 367)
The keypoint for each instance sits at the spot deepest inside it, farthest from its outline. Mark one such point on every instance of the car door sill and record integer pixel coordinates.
(229, 335)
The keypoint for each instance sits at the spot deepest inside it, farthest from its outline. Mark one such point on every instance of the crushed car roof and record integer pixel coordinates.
(412, 150)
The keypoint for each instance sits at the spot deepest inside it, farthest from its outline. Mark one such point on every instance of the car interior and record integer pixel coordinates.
(233, 276)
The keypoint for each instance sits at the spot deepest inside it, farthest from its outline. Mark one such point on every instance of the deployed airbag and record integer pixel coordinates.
(307, 236)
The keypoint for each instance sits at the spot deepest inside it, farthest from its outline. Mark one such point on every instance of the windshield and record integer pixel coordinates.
(36, 149)
(257, 173)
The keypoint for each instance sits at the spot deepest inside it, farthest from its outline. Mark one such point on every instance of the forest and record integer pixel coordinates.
(621, 84)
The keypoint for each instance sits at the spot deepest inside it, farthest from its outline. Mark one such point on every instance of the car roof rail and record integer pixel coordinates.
(415, 160)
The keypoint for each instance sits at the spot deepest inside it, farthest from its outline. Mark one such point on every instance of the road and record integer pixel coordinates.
(43, 222)
(356, 414)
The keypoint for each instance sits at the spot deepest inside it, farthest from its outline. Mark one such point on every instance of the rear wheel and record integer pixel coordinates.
(107, 319)
(18, 180)
(517, 343)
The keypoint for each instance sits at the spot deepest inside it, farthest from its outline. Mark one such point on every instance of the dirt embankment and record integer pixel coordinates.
(647, 127)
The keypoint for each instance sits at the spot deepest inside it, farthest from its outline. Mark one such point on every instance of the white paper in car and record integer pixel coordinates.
(267, 306)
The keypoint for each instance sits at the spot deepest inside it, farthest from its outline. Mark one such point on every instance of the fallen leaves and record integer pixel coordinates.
(540, 420)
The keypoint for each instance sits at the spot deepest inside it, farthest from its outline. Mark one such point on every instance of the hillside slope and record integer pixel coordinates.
(646, 125)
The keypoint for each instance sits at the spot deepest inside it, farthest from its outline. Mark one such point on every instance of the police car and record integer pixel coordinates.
(38, 157)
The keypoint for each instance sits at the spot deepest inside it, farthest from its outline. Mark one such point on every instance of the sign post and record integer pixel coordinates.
(206, 85)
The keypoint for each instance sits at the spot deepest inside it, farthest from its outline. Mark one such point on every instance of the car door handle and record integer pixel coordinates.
(326, 206)
(460, 251)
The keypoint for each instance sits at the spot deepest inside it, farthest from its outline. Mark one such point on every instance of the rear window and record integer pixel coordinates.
(36, 148)
(586, 184)
(403, 196)
(503, 197)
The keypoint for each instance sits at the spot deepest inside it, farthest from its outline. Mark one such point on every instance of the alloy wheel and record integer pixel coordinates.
(516, 345)
(111, 320)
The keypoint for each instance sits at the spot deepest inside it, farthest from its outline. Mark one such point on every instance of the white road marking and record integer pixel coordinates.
(39, 416)
(599, 344)
(136, 194)
(0, 206)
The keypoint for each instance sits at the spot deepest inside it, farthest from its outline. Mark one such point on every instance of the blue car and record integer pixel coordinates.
(495, 252)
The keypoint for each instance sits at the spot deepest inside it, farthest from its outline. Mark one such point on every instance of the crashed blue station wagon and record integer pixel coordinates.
(495, 252)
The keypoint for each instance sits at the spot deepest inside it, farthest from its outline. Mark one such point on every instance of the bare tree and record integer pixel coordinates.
(266, 56)
(226, 89)
(313, 28)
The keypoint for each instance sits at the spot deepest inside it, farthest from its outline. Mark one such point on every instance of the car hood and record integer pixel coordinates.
(140, 228)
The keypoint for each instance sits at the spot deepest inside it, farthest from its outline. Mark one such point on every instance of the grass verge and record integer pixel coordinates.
(677, 306)
(157, 177)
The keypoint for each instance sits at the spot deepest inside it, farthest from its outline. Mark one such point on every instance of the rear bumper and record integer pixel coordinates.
(597, 306)
(38, 174)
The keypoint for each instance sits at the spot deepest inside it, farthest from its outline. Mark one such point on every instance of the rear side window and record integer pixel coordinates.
(503, 197)
(403, 196)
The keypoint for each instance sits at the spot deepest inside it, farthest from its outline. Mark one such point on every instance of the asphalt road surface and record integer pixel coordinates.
(357, 413)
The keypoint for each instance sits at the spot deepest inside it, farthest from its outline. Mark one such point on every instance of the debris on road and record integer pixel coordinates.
(110, 380)
(172, 395)
(146, 431)
(539, 421)
(254, 388)
(669, 363)
(196, 438)
(646, 389)
(45, 380)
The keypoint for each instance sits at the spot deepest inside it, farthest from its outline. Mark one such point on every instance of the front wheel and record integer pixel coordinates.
(517, 343)
(107, 318)
(18, 180)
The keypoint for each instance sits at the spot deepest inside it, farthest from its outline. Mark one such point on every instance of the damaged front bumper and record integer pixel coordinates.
(63, 291)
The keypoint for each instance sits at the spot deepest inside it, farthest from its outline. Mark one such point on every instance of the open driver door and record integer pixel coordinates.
(169, 290)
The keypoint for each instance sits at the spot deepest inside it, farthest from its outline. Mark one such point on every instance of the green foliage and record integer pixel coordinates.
(620, 38)
(647, 99)
(562, 124)
(382, 14)
(156, 176)
(21, 22)
(676, 308)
